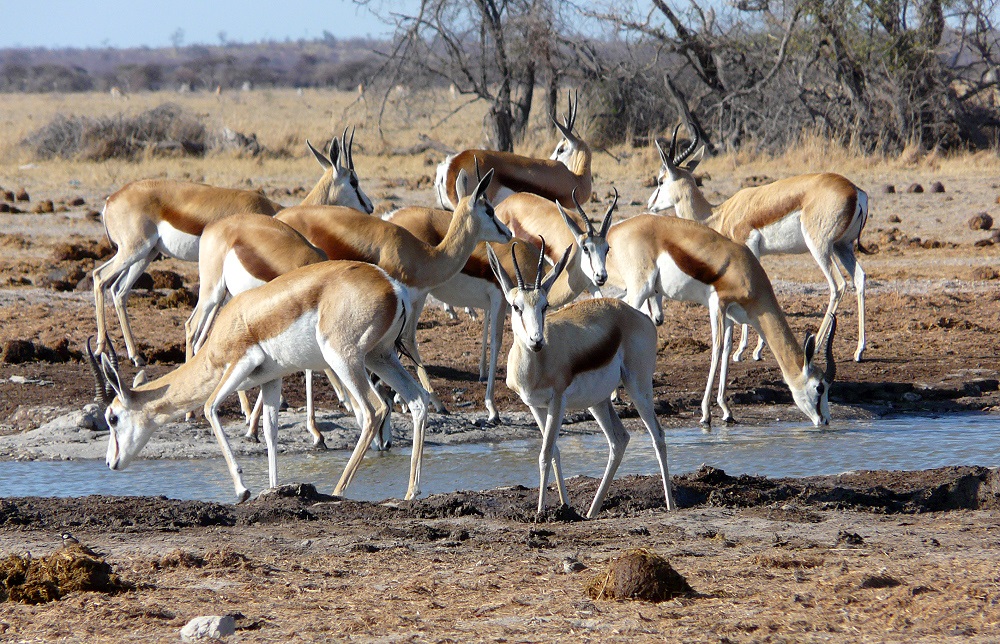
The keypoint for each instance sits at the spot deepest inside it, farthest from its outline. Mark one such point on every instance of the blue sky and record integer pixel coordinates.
(153, 23)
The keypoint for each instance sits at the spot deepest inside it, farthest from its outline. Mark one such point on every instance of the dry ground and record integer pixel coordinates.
(771, 569)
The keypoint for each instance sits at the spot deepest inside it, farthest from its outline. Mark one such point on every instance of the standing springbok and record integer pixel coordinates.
(153, 216)
(574, 358)
(822, 214)
(555, 178)
(653, 256)
(344, 316)
(343, 233)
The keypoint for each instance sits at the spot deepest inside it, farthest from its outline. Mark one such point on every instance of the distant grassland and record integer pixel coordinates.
(283, 119)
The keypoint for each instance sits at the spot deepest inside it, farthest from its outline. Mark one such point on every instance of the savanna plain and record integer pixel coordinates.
(863, 556)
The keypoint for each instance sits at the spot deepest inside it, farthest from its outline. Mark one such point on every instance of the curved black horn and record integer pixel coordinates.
(672, 152)
(831, 363)
(586, 219)
(541, 260)
(350, 150)
(102, 390)
(690, 148)
(517, 269)
(479, 177)
(607, 216)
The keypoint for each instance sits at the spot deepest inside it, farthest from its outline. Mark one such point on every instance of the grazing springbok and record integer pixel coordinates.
(555, 178)
(160, 216)
(574, 358)
(343, 233)
(474, 287)
(652, 256)
(343, 316)
(822, 214)
(242, 252)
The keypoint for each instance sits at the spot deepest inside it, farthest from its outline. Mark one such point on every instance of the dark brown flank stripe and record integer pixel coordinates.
(690, 265)
(513, 182)
(852, 202)
(254, 263)
(182, 222)
(333, 246)
(602, 354)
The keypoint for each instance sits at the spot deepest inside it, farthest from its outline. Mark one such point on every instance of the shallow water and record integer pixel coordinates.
(905, 443)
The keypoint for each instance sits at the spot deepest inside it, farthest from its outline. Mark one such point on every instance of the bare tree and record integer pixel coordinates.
(489, 49)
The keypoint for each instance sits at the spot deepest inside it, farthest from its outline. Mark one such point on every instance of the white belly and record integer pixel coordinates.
(237, 278)
(175, 243)
(294, 349)
(466, 291)
(677, 285)
(782, 237)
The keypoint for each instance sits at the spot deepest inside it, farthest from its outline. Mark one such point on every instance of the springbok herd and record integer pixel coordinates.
(325, 285)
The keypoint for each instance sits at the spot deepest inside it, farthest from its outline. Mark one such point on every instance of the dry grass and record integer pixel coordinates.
(284, 119)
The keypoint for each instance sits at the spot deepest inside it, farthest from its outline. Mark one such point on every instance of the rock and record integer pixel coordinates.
(208, 627)
(22, 195)
(983, 243)
(937, 186)
(8, 195)
(894, 219)
(4, 207)
(44, 207)
(915, 188)
(981, 221)
(77, 201)
(889, 189)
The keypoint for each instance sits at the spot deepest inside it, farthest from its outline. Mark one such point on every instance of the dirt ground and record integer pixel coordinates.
(876, 556)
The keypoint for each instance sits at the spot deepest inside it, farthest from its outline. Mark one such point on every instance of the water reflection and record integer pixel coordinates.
(909, 443)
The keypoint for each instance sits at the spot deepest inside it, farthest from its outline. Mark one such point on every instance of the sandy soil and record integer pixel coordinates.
(870, 557)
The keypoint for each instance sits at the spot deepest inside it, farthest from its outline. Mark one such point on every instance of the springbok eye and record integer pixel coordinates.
(517, 309)
(586, 250)
(820, 388)
(112, 420)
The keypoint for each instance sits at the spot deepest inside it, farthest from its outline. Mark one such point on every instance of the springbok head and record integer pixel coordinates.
(593, 244)
(340, 183)
(675, 177)
(812, 396)
(528, 303)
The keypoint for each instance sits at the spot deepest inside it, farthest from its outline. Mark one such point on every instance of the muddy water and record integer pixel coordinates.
(909, 443)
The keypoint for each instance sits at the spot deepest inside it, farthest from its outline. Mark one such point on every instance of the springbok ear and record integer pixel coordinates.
(577, 231)
(505, 282)
(484, 183)
(140, 379)
(695, 159)
(665, 159)
(462, 185)
(553, 275)
(809, 348)
(323, 161)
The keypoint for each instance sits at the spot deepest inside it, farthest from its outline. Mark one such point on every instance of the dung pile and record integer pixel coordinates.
(638, 574)
(35, 581)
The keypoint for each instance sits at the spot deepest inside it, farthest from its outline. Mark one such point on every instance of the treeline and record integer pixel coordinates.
(328, 62)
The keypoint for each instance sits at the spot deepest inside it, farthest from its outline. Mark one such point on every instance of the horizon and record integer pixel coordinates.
(58, 24)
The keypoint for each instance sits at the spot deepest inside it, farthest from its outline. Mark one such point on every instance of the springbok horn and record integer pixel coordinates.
(831, 363)
(101, 393)
(541, 259)
(673, 146)
(574, 105)
(607, 216)
(586, 219)
(517, 269)
(690, 148)
(475, 159)
(350, 151)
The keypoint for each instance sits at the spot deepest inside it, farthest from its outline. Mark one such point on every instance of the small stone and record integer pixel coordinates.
(8, 195)
(22, 195)
(208, 627)
(44, 207)
(4, 207)
(981, 221)
(983, 243)
(915, 188)
(894, 219)
(937, 186)
(77, 201)
(985, 273)
(890, 189)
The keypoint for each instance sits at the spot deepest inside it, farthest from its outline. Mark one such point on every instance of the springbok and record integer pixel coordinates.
(822, 214)
(343, 233)
(153, 216)
(574, 358)
(239, 253)
(652, 256)
(343, 316)
(555, 178)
